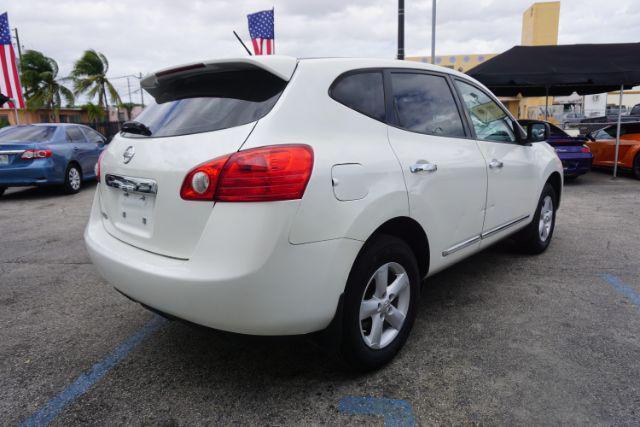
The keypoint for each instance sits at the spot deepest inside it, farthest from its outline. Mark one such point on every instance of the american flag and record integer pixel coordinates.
(9, 80)
(262, 33)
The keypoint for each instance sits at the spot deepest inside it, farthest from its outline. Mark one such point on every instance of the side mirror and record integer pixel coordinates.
(538, 132)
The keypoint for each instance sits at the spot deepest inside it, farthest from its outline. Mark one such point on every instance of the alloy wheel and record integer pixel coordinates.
(546, 218)
(74, 178)
(384, 305)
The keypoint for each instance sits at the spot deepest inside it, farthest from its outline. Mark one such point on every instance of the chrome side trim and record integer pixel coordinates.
(131, 185)
(504, 226)
(461, 245)
(11, 151)
(476, 239)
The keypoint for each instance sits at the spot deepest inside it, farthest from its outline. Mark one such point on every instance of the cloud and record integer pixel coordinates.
(145, 35)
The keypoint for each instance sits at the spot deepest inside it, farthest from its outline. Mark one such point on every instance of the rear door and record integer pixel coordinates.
(510, 166)
(444, 170)
(196, 116)
(82, 150)
(95, 143)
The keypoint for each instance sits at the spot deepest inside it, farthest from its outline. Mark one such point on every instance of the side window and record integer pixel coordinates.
(424, 103)
(363, 92)
(74, 134)
(93, 136)
(490, 121)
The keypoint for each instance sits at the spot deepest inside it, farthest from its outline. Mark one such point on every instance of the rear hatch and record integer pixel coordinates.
(201, 111)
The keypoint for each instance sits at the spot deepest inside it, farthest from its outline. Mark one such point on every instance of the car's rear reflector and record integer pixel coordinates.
(277, 172)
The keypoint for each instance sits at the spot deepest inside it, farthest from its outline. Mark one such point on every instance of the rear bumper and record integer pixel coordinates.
(35, 172)
(256, 284)
(576, 163)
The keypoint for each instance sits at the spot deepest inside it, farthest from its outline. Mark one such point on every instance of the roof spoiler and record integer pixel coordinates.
(280, 66)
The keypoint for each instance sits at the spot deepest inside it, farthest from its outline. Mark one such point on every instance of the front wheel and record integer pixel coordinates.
(536, 237)
(72, 179)
(380, 303)
(636, 166)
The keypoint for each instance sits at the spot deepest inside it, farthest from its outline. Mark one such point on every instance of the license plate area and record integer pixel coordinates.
(135, 200)
(135, 213)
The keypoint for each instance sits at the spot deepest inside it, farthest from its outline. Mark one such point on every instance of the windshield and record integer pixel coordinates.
(209, 102)
(26, 134)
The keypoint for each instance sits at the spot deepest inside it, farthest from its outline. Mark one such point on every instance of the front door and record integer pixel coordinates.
(510, 165)
(444, 170)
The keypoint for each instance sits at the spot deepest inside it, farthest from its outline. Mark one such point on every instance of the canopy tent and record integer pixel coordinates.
(562, 70)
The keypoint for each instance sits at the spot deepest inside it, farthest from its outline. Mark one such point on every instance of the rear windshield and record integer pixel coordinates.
(209, 102)
(27, 134)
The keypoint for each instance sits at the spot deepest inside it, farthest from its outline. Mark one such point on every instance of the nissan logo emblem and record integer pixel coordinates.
(128, 154)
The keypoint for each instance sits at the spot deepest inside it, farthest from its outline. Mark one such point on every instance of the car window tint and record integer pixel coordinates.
(490, 121)
(424, 103)
(363, 92)
(74, 134)
(190, 104)
(556, 131)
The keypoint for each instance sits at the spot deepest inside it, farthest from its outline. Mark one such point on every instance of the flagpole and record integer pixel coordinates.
(15, 30)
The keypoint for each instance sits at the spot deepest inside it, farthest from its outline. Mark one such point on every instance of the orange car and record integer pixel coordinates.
(602, 144)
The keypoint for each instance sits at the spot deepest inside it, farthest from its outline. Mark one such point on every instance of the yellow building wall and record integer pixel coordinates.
(540, 24)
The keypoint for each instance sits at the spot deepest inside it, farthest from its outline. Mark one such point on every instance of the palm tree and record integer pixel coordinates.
(89, 77)
(42, 87)
(94, 112)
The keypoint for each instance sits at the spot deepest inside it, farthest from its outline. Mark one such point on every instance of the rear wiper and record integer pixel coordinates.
(136, 127)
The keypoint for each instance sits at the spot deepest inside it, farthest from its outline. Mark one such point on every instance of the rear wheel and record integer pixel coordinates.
(380, 303)
(636, 166)
(536, 237)
(72, 179)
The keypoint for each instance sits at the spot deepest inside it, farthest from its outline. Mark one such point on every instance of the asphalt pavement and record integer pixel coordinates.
(500, 338)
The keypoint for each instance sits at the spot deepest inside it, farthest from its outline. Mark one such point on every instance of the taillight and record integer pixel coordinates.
(36, 154)
(96, 168)
(585, 149)
(278, 172)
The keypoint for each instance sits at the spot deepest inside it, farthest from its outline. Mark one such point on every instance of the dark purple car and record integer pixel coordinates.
(575, 155)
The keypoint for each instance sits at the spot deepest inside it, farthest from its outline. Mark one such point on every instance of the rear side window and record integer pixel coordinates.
(424, 103)
(209, 101)
(75, 135)
(362, 91)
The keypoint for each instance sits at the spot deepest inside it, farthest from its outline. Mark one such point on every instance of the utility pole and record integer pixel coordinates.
(141, 91)
(433, 32)
(400, 29)
(129, 89)
(15, 30)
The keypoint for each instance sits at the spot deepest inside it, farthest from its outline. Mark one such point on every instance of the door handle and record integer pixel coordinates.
(76, 149)
(423, 167)
(495, 164)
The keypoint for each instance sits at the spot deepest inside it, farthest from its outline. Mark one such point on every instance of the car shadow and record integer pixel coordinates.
(200, 353)
(35, 193)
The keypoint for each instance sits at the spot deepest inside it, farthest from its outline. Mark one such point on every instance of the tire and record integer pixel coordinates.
(2, 190)
(358, 347)
(636, 166)
(536, 237)
(72, 179)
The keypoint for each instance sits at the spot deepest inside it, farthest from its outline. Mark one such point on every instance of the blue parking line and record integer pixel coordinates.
(624, 289)
(84, 382)
(397, 413)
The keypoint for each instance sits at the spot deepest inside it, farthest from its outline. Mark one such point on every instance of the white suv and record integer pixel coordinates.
(278, 196)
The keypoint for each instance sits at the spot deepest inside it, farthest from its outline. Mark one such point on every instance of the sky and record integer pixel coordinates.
(142, 36)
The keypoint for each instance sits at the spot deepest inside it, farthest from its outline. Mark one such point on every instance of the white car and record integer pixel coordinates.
(278, 196)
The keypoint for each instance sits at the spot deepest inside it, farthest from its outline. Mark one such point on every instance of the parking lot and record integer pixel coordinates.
(500, 338)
